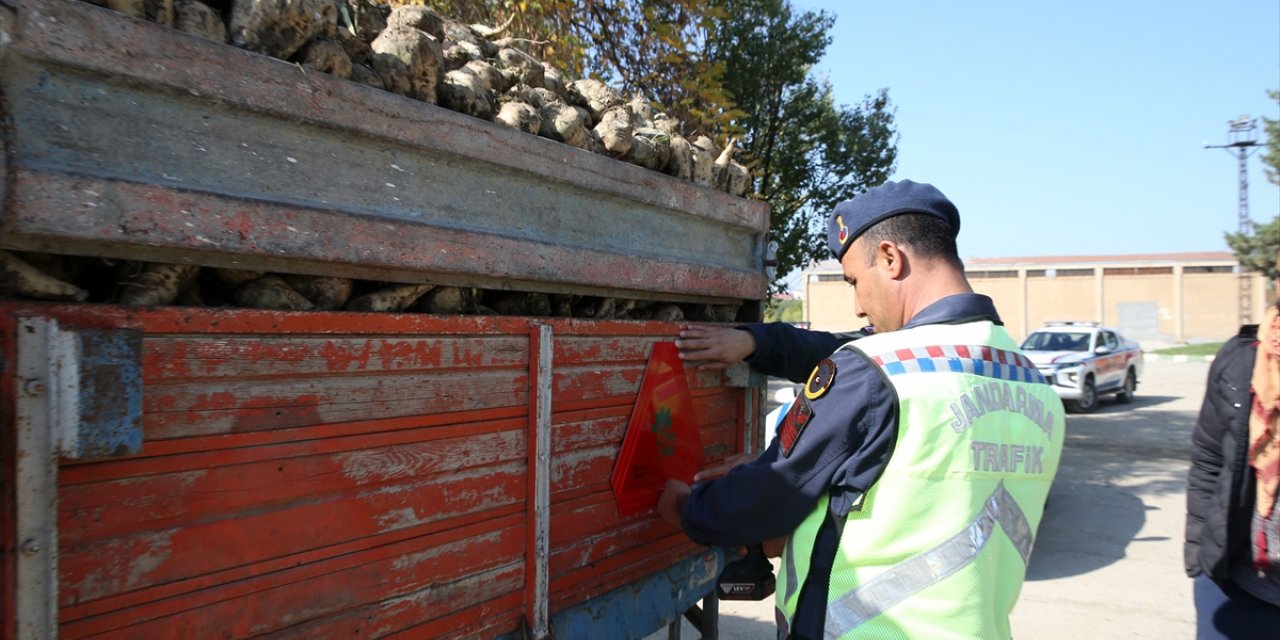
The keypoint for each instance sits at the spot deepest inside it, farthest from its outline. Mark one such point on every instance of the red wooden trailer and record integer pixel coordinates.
(226, 473)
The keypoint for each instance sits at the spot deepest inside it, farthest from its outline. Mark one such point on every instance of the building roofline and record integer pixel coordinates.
(971, 264)
(1193, 256)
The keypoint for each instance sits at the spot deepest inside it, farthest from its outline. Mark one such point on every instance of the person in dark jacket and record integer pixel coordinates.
(872, 473)
(1232, 545)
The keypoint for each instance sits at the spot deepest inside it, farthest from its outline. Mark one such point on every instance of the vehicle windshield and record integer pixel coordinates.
(1056, 341)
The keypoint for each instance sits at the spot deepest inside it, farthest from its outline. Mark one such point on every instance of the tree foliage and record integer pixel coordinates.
(655, 49)
(806, 152)
(784, 310)
(730, 69)
(1256, 249)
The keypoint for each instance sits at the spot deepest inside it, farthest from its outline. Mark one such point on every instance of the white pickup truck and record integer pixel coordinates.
(1083, 360)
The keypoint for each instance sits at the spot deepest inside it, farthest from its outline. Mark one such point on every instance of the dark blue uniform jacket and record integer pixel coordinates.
(841, 451)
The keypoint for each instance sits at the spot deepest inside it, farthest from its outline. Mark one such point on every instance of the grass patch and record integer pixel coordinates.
(1203, 349)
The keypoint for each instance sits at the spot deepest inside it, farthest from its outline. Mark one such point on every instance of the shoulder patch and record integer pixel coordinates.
(820, 380)
(793, 425)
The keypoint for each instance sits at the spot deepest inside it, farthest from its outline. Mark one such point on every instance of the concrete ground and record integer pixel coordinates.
(1108, 558)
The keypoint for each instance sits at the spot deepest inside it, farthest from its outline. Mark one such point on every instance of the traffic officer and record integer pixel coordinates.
(909, 478)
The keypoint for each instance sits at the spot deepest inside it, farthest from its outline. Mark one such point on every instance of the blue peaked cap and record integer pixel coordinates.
(853, 217)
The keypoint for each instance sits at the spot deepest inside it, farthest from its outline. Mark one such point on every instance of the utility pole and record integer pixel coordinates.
(1242, 138)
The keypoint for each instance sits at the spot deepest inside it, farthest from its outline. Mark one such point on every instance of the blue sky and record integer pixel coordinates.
(1069, 128)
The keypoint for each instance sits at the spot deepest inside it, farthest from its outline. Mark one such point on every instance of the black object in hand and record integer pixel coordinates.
(747, 578)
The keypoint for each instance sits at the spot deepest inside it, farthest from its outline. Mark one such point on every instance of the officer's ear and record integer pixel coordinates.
(891, 258)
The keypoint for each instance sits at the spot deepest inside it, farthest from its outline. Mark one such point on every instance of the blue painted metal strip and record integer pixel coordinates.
(642, 607)
(108, 402)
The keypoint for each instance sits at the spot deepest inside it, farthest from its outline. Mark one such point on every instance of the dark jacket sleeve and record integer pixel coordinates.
(786, 351)
(842, 449)
(1226, 402)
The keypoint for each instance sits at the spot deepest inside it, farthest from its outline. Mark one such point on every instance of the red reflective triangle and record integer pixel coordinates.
(662, 440)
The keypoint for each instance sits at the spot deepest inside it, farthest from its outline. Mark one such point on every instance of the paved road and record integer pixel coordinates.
(1108, 560)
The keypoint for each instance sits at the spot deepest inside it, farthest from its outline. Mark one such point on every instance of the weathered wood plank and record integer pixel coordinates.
(613, 572)
(276, 601)
(605, 384)
(247, 537)
(583, 429)
(571, 350)
(589, 429)
(67, 33)
(215, 527)
(172, 454)
(199, 590)
(155, 321)
(583, 516)
(196, 409)
(590, 550)
(580, 350)
(168, 456)
(584, 470)
(599, 381)
(420, 611)
(293, 238)
(214, 488)
(171, 359)
(483, 621)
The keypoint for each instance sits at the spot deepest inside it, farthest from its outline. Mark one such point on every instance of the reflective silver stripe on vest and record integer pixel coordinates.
(931, 567)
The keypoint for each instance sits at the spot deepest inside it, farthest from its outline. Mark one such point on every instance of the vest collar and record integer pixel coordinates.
(957, 309)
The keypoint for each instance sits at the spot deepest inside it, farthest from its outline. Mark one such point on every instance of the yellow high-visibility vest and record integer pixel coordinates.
(938, 547)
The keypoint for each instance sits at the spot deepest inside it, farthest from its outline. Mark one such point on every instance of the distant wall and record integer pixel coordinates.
(836, 311)
(1148, 298)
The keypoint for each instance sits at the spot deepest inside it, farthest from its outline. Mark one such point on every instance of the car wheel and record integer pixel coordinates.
(1088, 400)
(1130, 385)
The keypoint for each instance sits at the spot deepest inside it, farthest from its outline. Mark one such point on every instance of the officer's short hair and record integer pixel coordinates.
(925, 235)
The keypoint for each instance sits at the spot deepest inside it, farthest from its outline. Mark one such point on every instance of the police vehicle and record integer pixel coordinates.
(1083, 361)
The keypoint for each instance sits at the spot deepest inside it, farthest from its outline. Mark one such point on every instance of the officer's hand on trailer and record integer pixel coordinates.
(672, 501)
(714, 347)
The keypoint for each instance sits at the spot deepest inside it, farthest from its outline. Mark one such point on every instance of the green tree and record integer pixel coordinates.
(654, 49)
(1256, 249)
(806, 152)
(743, 70)
(784, 311)
(731, 69)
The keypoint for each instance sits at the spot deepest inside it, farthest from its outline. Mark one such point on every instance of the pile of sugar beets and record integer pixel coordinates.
(416, 52)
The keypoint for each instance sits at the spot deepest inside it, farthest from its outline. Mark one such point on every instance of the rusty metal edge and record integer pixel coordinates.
(36, 480)
(540, 464)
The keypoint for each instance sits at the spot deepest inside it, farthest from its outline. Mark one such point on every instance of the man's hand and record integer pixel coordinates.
(773, 548)
(723, 467)
(672, 502)
(715, 347)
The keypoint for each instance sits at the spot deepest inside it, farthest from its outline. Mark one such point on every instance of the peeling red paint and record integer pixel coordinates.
(336, 471)
(341, 357)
